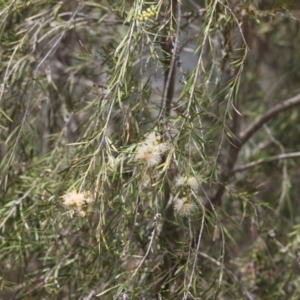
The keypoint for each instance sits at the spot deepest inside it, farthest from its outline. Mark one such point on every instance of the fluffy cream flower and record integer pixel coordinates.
(152, 139)
(149, 154)
(190, 181)
(81, 213)
(163, 147)
(150, 151)
(81, 203)
(179, 180)
(73, 199)
(183, 206)
(193, 183)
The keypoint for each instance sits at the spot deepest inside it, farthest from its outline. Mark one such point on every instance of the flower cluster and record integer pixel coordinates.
(81, 203)
(147, 14)
(185, 206)
(151, 150)
(187, 181)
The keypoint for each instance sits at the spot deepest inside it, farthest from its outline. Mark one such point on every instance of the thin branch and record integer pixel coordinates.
(265, 160)
(243, 137)
(273, 112)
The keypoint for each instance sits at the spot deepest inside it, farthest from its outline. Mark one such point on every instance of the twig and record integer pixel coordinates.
(265, 160)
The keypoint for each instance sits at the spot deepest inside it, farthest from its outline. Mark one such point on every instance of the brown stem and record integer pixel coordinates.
(169, 235)
(169, 46)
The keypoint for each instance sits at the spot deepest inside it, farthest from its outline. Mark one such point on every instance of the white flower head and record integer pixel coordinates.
(163, 147)
(183, 206)
(193, 183)
(149, 154)
(189, 181)
(152, 139)
(80, 202)
(73, 199)
(179, 180)
(150, 151)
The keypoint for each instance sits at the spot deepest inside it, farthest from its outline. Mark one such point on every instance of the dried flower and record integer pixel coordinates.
(183, 206)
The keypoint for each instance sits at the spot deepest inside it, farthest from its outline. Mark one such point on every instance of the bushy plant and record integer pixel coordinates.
(149, 150)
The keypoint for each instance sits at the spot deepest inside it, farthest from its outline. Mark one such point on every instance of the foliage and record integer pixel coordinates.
(149, 150)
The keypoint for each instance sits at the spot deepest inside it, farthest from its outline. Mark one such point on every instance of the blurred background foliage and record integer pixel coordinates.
(86, 87)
